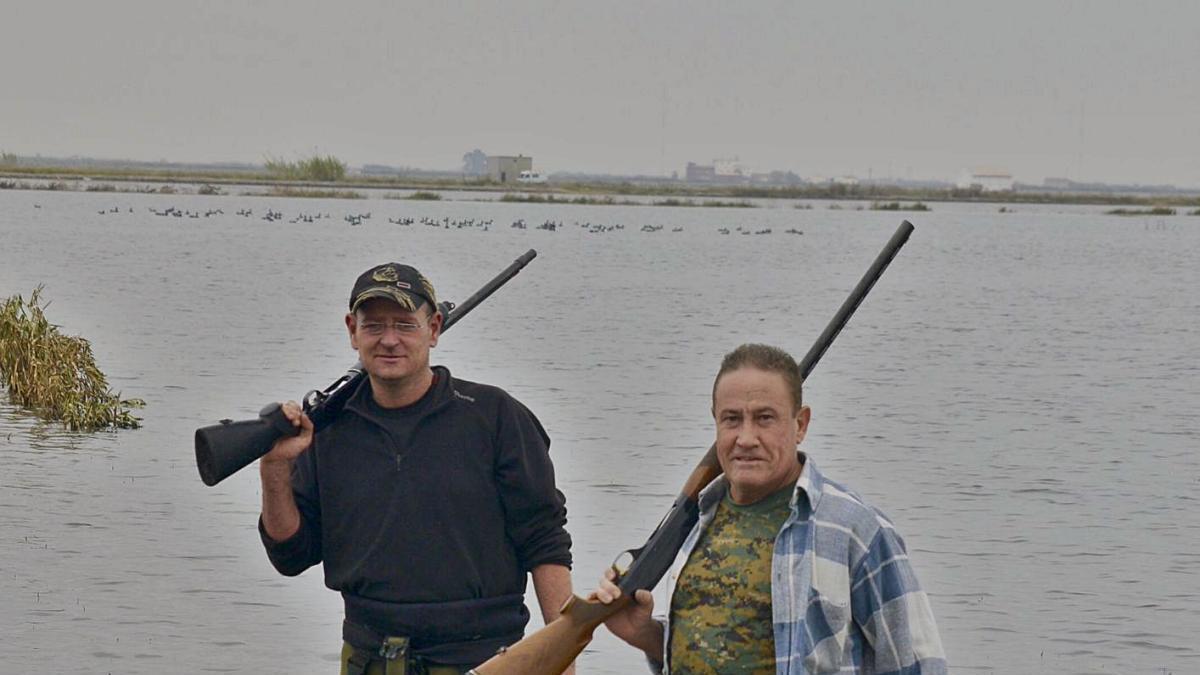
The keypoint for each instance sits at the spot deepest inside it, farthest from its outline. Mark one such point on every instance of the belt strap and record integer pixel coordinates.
(368, 646)
(358, 662)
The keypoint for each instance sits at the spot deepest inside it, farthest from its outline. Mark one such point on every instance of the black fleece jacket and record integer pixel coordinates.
(449, 499)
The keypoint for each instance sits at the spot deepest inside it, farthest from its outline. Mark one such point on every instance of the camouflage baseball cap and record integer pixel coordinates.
(401, 284)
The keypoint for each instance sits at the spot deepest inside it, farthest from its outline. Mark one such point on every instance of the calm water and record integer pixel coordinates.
(1019, 393)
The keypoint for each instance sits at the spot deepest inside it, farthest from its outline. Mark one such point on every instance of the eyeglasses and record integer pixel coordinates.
(378, 328)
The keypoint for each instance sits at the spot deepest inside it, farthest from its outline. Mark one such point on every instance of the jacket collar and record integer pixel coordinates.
(440, 395)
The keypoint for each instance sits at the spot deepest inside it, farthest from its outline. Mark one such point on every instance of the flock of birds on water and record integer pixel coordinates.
(355, 219)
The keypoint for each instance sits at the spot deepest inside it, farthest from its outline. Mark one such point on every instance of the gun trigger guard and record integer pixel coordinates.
(624, 561)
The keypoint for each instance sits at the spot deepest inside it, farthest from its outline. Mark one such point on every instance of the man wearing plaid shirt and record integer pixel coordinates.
(786, 571)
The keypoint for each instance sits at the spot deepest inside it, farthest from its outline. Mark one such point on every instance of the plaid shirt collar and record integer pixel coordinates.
(810, 484)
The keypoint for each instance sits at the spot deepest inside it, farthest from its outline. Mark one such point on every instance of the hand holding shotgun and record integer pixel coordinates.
(754, 431)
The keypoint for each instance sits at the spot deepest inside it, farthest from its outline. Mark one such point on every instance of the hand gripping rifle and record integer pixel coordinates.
(550, 650)
(223, 449)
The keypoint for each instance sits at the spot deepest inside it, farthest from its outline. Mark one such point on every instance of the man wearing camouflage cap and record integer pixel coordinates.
(428, 500)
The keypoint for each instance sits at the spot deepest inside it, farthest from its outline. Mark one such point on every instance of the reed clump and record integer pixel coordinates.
(551, 199)
(1156, 211)
(425, 195)
(711, 203)
(898, 206)
(327, 169)
(55, 375)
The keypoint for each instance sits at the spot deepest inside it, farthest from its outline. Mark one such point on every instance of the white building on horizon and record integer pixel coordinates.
(986, 180)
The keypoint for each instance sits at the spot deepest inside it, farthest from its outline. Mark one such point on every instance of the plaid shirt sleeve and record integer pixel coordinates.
(848, 599)
(891, 612)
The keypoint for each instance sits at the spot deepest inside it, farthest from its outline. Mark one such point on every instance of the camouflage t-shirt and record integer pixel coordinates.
(721, 608)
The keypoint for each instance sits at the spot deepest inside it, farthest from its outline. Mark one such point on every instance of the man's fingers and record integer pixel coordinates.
(295, 414)
(606, 592)
(291, 410)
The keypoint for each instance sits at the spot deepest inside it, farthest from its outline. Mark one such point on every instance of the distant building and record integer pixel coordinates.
(726, 169)
(844, 180)
(699, 173)
(986, 180)
(506, 168)
(1058, 183)
(723, 171)
(475, 163)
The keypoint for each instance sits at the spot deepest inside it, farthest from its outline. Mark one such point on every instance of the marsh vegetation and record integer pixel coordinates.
(546, 198)
(319, 193)
(1156, 211)
(898, 206)
(55, 375)
(327, 169)
(712, 203)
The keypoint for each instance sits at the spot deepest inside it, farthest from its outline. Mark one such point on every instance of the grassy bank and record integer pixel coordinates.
(55, 375)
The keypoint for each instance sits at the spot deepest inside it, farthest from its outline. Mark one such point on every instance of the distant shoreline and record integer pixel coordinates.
(76, 179)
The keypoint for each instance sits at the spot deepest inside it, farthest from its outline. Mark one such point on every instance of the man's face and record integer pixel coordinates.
(393, 344)
(757, 433)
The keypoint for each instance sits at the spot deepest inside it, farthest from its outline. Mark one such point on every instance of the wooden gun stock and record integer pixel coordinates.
(552, 649)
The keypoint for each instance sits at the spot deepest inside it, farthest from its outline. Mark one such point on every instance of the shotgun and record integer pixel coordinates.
(224, 448)
(552, 649)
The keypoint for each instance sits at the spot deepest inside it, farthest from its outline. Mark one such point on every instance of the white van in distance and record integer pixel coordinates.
(531, 177)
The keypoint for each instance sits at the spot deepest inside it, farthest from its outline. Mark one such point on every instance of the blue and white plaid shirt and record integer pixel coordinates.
(843, 594)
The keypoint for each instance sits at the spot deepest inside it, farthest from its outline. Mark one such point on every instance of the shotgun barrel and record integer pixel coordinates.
(552, 649)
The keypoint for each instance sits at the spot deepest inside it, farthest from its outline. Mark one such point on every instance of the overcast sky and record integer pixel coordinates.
(1106, 91)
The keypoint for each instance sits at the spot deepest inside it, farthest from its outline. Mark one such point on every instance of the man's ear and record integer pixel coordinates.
(803, 415)
(352, 329)
(435, 327)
